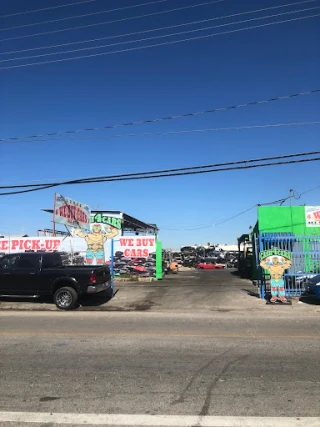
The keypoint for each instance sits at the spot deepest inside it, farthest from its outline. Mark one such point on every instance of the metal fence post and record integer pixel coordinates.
(112, 266)
(159, 273)
(262, 286)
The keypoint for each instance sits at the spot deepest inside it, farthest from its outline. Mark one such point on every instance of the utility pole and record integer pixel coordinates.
(291, 191)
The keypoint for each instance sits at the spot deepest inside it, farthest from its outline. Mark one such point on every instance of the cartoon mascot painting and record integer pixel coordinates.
(95, 240)
(276, 261)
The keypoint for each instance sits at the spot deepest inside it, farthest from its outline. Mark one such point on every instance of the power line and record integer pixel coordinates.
(187, 170)
(166, 133)
(308, 191)
(199, 227)
(86, 14)
(158, 37)
(155, 29)
(166, 175)
(275, 125)
(235, 216)
(46, 8)
(114, 21)
(160, 119)
(192, 170)
(158, 44)
(162, 171)
(224, 220)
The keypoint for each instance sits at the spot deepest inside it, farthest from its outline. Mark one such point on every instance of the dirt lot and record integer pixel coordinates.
(191, 291)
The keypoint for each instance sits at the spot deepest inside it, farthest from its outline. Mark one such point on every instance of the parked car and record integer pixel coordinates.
(210, 266)
(43, 274)
(312, 287)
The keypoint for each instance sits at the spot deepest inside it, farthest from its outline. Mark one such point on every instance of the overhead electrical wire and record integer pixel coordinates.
(166, 175)
(308, 191)
(163, 171)
(193, 170)
(157, 29)
(161, 12)
(157, 37)
(158, 44)
(160, 119)
(89, 179)
(86, 14)
(126, 135)
(201, 227)
(297, 195)
(25, 12)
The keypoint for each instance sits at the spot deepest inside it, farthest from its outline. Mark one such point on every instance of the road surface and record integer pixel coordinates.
(164, 369)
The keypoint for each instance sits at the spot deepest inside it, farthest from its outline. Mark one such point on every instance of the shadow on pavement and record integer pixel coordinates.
(97, 299)
(35, 300)
(91, 301)
(238, 274)
(251, 293)
(310, 300)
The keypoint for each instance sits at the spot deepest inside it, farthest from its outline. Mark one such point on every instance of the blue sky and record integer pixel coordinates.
(197, 75)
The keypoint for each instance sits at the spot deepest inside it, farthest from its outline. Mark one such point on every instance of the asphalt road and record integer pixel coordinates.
(196, 349)
(207, 366)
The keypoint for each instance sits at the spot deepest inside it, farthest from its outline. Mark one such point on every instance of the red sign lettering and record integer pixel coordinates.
(126, 242)
(4, 245)
(36, 245)
(72, 212)
(316, 215)
(14, 244)
(133, 253)
(27, 244)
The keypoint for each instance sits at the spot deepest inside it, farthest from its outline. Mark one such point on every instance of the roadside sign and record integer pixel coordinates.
(71, 213)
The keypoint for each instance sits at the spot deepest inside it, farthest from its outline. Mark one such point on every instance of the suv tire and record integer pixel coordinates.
(65, 298)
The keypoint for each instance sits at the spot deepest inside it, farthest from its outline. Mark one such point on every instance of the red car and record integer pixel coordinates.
(209, 266)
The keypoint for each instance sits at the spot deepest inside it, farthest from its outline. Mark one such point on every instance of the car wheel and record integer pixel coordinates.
(65, 298)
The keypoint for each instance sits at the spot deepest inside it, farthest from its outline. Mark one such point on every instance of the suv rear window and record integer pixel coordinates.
(7, 261)
(51, 260)
(29, 262)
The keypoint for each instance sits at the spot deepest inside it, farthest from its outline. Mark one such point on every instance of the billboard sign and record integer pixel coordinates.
(276, 261)
(312, 215)
(71, 213)
(136, 247)
(15, 245)
(95, 243)
(95, 246)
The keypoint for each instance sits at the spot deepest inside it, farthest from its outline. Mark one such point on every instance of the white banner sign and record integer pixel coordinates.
(93, 252)
(136, 247)
(312, 214)
(95, 247)
(35, 244)
(71, 213)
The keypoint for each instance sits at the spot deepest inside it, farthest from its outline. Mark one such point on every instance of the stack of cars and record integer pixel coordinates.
(143, 267)
(205, 258)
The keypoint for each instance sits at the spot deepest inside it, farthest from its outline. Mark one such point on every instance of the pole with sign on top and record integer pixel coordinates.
(159, 275)
(112, 266)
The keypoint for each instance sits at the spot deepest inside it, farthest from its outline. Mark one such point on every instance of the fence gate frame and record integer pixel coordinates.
(305, 257)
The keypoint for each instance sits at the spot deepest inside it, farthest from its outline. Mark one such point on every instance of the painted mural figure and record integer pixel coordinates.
(95, 240)
(276, 263)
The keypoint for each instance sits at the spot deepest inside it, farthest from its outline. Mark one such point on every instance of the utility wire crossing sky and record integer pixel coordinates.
(141, 122)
